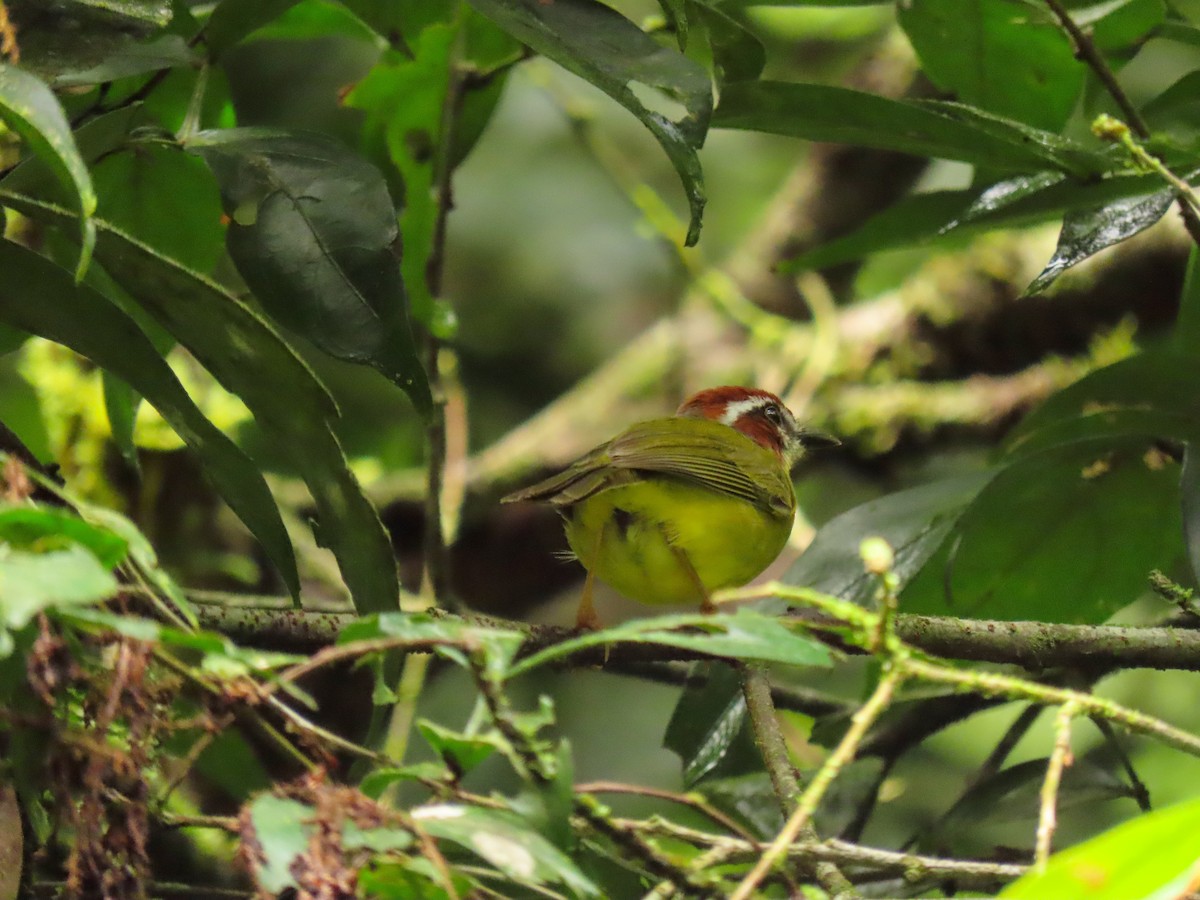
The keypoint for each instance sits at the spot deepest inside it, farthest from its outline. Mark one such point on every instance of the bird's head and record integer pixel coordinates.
(759, 415)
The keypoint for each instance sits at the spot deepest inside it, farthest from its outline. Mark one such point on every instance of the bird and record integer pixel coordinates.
(674, 508)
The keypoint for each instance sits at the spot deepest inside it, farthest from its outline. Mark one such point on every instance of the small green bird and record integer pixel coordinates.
(673, 509)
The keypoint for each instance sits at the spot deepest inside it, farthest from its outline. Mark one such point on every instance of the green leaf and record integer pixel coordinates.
(1005, 57)
(232, 20)
(30, 109)
(840, 115)
(738, 55)
(142, 190)
(1147, 858)
(1066, 534)
(743, 635)
(670, 94)
(403, 97)
(1164, 381)
(41, 528)
(249, 358)
(709, 730)
(1176, 111)
(41, 298)
(280, 830)
(915, 522)
(169, 51)
(1186, 335)
(1189, 493)
(504, 841)
(120, 404)
(460, 751)
(312, 233)
(33, 582)
(1088, 232)
(499, 646)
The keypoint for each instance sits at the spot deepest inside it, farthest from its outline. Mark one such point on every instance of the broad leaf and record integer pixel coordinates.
(41, 298)
(506, 842)
(1067, 534)
(914, 522)
(232, 20)
(669, 93)
(42, 528)
(840, 115)
(30, 109)
(742, 635)
(1148, 858)
(33, 582)
(248, 357)
(709, 729)
(1005, 57)
(1088, 232)
(312, 232)
(169, 51)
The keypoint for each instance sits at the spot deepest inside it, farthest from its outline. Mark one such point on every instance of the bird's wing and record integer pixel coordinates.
(700, 453)
(703, 453)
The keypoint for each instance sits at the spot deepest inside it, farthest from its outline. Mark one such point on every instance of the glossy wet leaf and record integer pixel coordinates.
(505, 842)
(1150, 857)
(709, 729)
(134, 58)
(312, 230)
(42, 299)
(1087, 232)
(915, 522)
(30, 109)
(1067, 534)
(840, 115)
(670, 94)
(1005, 57)
(249, 358)
(743, 635)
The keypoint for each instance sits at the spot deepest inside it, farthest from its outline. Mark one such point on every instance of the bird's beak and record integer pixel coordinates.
(810, 437)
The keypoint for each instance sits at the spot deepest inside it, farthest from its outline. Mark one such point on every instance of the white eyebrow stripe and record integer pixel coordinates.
(739, 408)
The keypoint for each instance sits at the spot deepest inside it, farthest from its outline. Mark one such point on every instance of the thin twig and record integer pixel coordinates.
(694, 801)
(1086, 50)
(842, 755)
(1060, 758)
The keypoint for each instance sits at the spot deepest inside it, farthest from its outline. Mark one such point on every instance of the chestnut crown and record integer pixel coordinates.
(759, 415)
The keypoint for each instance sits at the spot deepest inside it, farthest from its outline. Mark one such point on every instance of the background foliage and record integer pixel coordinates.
(292, 292)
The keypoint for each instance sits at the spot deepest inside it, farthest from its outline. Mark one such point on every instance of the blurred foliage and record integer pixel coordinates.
(257, 258)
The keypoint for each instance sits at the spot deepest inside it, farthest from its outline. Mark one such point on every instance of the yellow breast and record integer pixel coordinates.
(631, 536)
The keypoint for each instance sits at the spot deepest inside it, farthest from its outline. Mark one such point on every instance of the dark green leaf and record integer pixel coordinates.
(669, 93)
(30, 109)
(41, 528)
(914, 522)
(1189, 493)
(505, 842)
(121, 403)
(142, 191)
(840, 115)
(998, 55)
(232, 20)
(41, 298)
(248, 357)
(312, 232)
(743, 635)
(1143, 859)
(738, 55)
(135, 58)
(1088, 232)
(750, 798)
(1176, 111)
(709, 730)
(1186, 334)
(1120, 29)
(460, 751)
(1164, 381)
(1067, 534)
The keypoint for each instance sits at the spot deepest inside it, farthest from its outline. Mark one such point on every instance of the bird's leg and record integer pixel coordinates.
(585, 616)
(706, 602)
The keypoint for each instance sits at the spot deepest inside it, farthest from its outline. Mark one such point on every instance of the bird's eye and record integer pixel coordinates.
(774, 416)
